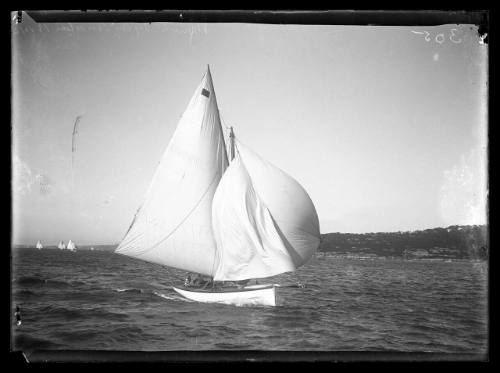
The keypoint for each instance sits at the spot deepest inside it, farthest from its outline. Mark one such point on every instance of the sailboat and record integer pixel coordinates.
(71, 246)
(61, 245)
(232, 219)
(39, 245)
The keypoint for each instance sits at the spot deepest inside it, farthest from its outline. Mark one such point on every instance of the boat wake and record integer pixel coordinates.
(172, 297)
(129, 290)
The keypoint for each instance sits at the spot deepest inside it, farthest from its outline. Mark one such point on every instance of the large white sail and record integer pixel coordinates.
(289, 204)
(248, 244)
(173, 226)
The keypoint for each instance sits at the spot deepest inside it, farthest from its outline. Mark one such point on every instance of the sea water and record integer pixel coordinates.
(98, 300)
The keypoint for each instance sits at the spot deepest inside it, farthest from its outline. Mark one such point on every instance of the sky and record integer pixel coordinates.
(385, 127)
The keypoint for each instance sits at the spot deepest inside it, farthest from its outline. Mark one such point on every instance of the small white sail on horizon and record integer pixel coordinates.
(244, 221)
(39, 245)
(61, 245)
(71, 246)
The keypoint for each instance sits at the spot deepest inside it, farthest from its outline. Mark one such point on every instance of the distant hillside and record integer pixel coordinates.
(453, 242)
(99, 247)
(79, 247)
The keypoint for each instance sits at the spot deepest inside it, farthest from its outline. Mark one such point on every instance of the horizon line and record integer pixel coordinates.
(416, 230)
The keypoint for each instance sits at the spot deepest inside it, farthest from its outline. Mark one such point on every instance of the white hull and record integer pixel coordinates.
(249, 295)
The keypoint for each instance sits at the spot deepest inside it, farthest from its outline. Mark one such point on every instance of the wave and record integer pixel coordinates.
(81, 335)
(30, 280)
(130, 290)
(68, 314)
(25, 292)
(39, 281)
(63, 312)
(25, 342)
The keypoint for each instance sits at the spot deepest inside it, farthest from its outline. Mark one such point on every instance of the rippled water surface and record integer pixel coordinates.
(101, 300)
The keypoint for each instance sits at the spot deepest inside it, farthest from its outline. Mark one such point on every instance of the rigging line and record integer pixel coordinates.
(183, 220)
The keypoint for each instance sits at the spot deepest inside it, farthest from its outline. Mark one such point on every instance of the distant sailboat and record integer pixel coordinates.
(231, 222)
(39, 245)
(61, 245)
(92, 248)
(71, 246)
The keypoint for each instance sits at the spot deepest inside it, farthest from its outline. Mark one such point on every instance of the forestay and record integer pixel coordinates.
(173, 226)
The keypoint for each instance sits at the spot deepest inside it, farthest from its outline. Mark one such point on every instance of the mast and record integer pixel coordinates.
(231, 142)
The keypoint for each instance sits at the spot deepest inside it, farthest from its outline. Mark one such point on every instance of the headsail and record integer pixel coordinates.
(173, 225)
(289, 204)
(248, 243)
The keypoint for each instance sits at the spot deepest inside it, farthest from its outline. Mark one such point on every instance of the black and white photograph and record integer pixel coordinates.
(198, 186)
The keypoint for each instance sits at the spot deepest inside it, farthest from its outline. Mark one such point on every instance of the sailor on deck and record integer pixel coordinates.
(187, 281)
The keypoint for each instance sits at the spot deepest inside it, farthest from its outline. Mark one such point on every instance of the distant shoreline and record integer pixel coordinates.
(453, 242)
(79, 247)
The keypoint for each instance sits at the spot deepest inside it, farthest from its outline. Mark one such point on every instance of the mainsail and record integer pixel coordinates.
(39, 245)
(249, 221)
(61, 245)
(173, 227)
